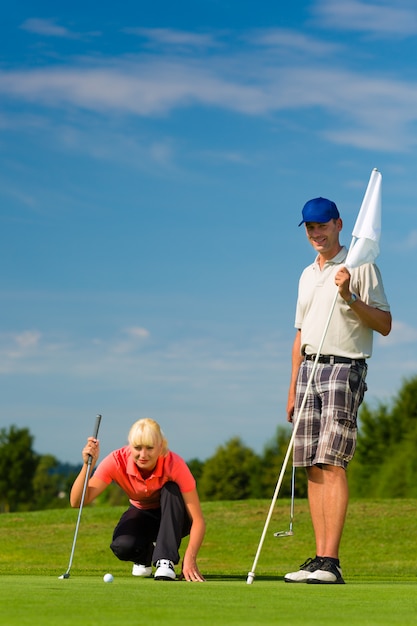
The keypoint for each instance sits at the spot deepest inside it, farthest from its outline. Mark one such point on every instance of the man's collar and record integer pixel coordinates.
(338, 258)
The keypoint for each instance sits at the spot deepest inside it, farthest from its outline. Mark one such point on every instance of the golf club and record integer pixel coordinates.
(87, 475)
(289, 532)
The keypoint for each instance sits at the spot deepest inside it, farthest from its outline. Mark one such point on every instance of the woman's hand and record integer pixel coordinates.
(190, 571)
(91, 449)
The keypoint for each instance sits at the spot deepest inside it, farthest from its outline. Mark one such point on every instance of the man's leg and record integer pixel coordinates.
(328, 496)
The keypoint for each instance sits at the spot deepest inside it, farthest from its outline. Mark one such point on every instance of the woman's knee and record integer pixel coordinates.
(123, 547)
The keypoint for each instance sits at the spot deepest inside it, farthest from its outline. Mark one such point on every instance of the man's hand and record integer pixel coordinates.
(342, 280)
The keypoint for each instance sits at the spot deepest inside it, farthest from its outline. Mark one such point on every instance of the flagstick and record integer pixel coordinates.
(251, 574)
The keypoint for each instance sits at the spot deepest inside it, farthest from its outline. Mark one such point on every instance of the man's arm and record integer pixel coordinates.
(296, 360)
(374, 318)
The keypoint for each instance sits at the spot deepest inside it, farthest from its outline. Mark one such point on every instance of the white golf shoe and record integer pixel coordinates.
(305, 571)
(327, 574)
(164, 570)
(143, 571)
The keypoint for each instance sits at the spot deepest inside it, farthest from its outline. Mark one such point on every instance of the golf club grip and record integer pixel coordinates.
(95, 435)
(97, 426)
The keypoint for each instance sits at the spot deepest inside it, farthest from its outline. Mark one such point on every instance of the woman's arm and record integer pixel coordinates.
(190, 569)
(94, 486)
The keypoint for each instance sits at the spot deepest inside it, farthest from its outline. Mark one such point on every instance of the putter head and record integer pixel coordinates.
(284, 533)
(66, 575)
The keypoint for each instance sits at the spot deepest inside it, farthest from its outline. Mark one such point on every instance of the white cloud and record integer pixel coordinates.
(173, 37)
(18, 347)
(123, 355)
(112, 144)
(228, 156)
(374, 111)
(291, 40)
(28, 339)
(138, 332)
(47, 28)
(135, 337)
(157, 87)
(150, 88)
(381, 17)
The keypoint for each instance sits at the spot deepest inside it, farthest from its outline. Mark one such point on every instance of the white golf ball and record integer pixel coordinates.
(108, 578)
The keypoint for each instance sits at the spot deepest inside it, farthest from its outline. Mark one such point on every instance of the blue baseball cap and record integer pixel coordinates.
(319, 210)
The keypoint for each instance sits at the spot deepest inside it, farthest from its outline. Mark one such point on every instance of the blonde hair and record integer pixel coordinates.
(147, 432)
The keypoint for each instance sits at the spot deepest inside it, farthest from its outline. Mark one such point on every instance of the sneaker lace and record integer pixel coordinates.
(316, 559)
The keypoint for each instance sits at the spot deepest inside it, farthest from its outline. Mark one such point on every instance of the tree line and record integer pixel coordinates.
(384, 466)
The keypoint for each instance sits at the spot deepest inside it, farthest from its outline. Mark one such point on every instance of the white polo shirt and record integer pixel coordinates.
(346, 335)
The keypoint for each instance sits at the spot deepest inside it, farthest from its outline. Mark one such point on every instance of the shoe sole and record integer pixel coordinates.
(315, 581)
(163, 578)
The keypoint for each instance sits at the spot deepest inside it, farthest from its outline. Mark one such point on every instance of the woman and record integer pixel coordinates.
(164, 503)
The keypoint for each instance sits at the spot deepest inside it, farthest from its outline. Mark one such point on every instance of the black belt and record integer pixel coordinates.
(329, 358)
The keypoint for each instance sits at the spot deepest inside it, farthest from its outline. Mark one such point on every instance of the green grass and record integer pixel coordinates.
(378, 560)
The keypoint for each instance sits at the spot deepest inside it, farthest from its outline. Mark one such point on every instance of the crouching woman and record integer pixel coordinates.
(164, 502)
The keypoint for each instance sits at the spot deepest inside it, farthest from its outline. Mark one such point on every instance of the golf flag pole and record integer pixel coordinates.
(364, 248)
(251, 574)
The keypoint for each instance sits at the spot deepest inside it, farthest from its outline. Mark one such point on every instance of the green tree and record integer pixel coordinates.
(18, 464)
(375, 437)
(385, 463)
(46, 483)
(196, 467)
(230, 474)
(271, 465)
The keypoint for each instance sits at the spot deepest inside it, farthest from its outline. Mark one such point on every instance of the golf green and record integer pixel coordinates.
(378, 561)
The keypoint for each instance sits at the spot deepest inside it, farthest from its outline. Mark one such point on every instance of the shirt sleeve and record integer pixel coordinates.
(366, 282)
(180, 473)
(105, 470)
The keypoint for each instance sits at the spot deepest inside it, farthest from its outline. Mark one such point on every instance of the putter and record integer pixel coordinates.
(289, 532)
(87, 475)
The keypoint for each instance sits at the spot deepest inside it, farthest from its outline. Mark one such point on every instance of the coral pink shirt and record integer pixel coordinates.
(144, 493)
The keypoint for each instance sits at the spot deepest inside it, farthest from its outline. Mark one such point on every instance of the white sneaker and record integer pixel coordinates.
(305, 571)
(164, 570)
(141, 570)
(327, 574)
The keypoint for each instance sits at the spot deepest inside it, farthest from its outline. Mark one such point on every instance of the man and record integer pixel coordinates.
(325, 439)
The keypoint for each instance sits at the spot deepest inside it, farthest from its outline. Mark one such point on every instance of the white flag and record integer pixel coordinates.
(367, 230)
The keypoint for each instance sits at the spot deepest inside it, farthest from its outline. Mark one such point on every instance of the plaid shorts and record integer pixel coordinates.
(327, 429)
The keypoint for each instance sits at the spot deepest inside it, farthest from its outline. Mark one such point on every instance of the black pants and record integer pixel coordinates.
(138, 530)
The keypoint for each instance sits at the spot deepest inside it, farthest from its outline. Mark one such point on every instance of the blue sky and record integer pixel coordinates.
(155, 158)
